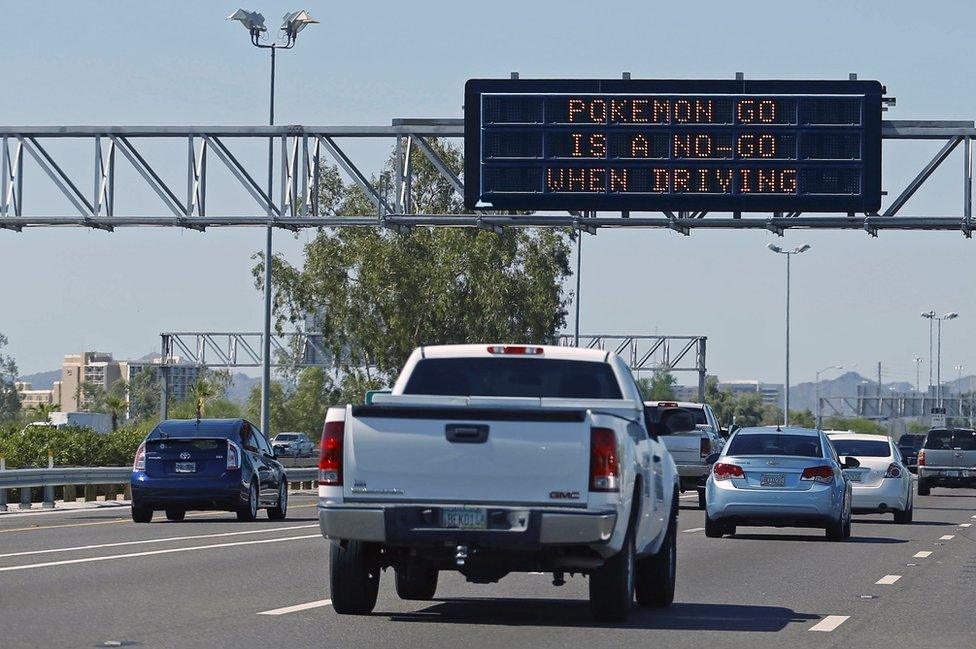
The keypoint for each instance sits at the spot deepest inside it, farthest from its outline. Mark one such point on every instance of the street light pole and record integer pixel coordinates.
(930, 315)
(293, 23)
(786, 387)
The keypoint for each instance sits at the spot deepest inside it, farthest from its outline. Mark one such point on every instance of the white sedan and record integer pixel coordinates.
(882, 483)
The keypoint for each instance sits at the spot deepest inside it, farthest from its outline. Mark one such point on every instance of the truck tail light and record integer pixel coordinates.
(921, 457)
(330, 459)
(893, 471)
(604, 464)
(139, 463)
(515, 349)
(722, 471)
(233, 456)
(822, 474)
(704, 447)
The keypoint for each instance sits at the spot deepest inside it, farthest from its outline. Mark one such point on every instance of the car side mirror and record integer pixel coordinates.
(724, 433)
(851, 463)
(712, 459)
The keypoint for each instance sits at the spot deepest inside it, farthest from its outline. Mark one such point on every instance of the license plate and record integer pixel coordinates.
(186, 467)
(854, 476)
(952, 474)
(773, 480)
(465, 518)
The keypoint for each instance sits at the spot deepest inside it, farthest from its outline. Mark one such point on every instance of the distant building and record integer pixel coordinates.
(771, 393)
(31, 398)
(182, 376)
(96, 368)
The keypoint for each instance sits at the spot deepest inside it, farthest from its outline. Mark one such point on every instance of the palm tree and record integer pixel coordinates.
(116, 405)
(203, 391)
(42, 411)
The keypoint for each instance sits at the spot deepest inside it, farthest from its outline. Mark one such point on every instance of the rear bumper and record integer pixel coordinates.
(199, 493)
(692, 475)
(890, 492)
(509, 528)
(815, 507)
(948, 476)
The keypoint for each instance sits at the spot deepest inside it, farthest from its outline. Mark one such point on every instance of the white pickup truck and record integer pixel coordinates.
(491, 459)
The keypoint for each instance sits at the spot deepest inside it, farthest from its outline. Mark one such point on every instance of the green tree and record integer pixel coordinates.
(116, 402)
(279, 417)
(9, 399)
(144, 395)
(803, 418)
(40, 412)
(660, 387)
(855, 425)
(916, 427)
(380, 293)
(749, 410)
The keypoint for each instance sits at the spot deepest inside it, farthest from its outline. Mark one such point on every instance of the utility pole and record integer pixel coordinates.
(879, 390)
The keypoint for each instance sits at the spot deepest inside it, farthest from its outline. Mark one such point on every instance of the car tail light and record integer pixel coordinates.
(139, 463)
(921, 457)
(233, 456)
(604, 464)
(330, 459)
(722, 471)
(705, 447)
(823, 474)
(893, 471)
(515, 349)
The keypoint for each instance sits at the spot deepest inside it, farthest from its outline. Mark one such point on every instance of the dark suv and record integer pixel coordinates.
(909, 445)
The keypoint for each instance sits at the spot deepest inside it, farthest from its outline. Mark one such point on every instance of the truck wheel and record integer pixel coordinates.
(416, 582)
(923, 487)
(354, 576)
(701, 497)
(141, 513)
(175, 515)
(249, 511)
(714, 529)
(612, 584)
(656, 575)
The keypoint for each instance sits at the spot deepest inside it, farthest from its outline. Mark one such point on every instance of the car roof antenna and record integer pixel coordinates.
(778, 429)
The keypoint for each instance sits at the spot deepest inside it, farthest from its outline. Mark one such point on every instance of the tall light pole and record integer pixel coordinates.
(918, 372)
(786, 391)
(952, 315)
(817, 383)
(293, 23)
(930, 316)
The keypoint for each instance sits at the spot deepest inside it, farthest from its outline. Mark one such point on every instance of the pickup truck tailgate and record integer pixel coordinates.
(685, 448)
(466, 454)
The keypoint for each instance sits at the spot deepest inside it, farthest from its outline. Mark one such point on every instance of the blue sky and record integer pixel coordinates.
(857, 299)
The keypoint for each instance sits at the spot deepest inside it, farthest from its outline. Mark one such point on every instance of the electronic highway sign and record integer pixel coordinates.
(622, 145)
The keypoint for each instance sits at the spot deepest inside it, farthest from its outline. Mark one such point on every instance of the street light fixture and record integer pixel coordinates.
(930, 316)
(817, 384)
(294, 22)
(789, 253)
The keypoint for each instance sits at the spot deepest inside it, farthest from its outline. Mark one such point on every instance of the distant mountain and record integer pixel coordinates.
(42, 380)
(240, 388)
(803, 396)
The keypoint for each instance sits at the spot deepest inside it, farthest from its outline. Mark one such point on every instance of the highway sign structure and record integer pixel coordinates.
(610, 145)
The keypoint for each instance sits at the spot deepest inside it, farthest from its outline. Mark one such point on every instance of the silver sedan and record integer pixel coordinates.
(782, 477)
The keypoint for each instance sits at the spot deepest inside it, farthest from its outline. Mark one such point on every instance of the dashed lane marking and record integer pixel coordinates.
(830, 623)
(694, 529)
(319, 603)
(921, 555)
(159, 540)
(947, 537)
(154, 552)
(965, 524)
(887, 580)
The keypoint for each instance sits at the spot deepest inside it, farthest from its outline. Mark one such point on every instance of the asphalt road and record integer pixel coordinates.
(85, 579)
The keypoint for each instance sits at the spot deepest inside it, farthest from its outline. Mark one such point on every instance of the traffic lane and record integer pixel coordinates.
(94, 527)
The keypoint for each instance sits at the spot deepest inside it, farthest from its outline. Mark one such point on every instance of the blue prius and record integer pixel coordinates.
(223, 464)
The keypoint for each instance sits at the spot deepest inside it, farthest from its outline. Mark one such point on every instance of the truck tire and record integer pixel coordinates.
(415, 582)
(656, 575)
(701, 498)
(923, 487)
(354, 577)
(141, 513)
(612, 584)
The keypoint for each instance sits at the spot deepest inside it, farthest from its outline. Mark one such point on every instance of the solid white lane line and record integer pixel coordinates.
(153, 552)
(298, 607)
(922, 554)
(887, 580)
(159, 540)
(830, 623)
(694, 529)
(947, 537)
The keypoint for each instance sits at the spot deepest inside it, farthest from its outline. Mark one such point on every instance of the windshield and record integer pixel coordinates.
(862, 447)
(513, 377)
(946, 440)
(775, 444)
(286, 437)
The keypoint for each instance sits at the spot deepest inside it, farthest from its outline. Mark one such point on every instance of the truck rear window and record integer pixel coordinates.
(945, 440)
(513, 377)
(662, 420)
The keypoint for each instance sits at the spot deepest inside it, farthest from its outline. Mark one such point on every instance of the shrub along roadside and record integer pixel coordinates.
(70, 446)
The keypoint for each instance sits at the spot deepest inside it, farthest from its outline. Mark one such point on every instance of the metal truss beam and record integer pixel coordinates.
(303, 148)
(243, 349)
(897, 405)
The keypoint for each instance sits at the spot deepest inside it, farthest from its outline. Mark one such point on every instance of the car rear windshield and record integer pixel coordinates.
(513, 377)
(668, 420)
(963, 440)
(862, 447)
(775, 444)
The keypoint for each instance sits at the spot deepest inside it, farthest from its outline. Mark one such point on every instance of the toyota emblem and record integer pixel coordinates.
(184, 456)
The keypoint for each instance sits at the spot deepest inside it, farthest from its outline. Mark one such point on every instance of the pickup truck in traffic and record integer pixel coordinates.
(691, 433)
(492, 459)
(947, 459)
